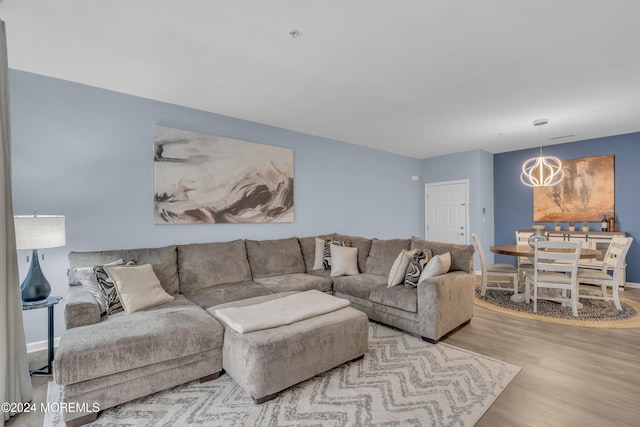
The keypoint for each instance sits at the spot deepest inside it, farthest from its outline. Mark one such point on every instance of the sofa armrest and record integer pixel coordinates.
(80, 308)
(445, 302)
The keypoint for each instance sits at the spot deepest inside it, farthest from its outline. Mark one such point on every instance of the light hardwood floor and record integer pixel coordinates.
(571, 376)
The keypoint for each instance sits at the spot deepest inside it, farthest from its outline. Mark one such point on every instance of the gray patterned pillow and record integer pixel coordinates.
(108, 288)
(416, 265)
(326, 261)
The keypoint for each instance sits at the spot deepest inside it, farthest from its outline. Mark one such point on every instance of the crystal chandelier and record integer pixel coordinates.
(542, 171)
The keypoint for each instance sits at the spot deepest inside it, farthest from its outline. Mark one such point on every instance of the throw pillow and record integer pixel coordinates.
(415, 267)
(436, 266)
(138, 287)
(108, 289)
(318, 257)
(326, 253)
(344, 261)
(399, 267)
(88, 281)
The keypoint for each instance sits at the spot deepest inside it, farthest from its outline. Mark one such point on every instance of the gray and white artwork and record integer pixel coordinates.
(202, 179)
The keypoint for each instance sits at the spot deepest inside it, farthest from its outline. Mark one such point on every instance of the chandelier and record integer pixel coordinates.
(541, 171)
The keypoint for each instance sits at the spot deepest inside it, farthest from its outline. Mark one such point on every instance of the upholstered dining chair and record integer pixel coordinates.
(613, 261)
(555, 266)
(492, 273)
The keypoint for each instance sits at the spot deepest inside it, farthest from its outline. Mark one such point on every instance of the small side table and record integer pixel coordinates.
(50, 302)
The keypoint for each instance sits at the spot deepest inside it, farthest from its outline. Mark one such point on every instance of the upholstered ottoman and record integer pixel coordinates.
(267, 361)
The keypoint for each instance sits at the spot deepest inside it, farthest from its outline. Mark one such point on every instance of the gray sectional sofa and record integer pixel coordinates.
(117, 358)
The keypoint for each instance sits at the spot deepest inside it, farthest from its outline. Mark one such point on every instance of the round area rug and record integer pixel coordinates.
(594, 314)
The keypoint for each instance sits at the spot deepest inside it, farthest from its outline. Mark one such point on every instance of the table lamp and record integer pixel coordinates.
(38, 232)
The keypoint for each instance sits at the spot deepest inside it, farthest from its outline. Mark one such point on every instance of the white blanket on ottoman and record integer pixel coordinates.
(280, 312)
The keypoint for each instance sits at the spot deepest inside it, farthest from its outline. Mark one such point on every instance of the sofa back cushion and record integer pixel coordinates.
(461, 255)
(269, 258)
(308, 248)
(202, 265)
(382, 255)
(163, 261)
(363, 244)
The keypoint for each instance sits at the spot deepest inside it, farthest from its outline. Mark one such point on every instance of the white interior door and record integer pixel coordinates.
(447, 211)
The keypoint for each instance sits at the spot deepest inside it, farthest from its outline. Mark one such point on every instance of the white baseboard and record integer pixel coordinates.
(37, 353)
(37, 346)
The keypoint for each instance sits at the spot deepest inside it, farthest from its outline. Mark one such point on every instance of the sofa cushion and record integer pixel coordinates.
(461, 255)
(360, 285)
(308, 248)
(363, 244)
(221, 294)
(296, 282)
(163, 260)
(202, 265)
(126, 342)
(269, 258)
(321, 273)
(396, 297)
(382, 255)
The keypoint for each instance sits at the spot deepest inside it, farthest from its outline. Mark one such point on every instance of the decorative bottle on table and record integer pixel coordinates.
(604, 224)
(612, 223)
(538, 234)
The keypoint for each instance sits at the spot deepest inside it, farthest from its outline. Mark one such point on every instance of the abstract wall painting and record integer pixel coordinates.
(207, 179)
(585, 194)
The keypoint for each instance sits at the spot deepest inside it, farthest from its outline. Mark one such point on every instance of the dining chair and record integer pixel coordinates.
(613, 261)
(525, 265)
(555, 266)
(492, 273)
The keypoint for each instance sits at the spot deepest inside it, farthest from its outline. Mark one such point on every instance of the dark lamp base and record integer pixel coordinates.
(35, 286)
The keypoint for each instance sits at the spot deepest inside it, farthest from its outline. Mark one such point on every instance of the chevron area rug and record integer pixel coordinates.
(401, 381)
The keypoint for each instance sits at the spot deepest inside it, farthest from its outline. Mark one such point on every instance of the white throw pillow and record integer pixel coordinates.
(344, 261)
(88, 281)
(399, 268)
(439, 264)
(318, 257)
(138, 287)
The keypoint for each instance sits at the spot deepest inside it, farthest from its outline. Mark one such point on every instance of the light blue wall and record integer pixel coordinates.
(514, 201)
(477, 167)
(87, 153)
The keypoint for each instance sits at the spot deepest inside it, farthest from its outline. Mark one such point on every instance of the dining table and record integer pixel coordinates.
(529, 252)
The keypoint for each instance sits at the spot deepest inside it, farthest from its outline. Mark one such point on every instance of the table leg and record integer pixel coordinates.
(46, 370)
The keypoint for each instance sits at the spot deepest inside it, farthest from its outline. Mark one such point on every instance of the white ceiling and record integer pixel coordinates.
(418, 77)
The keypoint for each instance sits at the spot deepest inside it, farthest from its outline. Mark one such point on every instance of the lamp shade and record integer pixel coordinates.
(40, 231)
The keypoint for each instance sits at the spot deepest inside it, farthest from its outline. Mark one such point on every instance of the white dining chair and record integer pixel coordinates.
(525, 265)
(613, 261)
(555, 266)
(493, 275)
